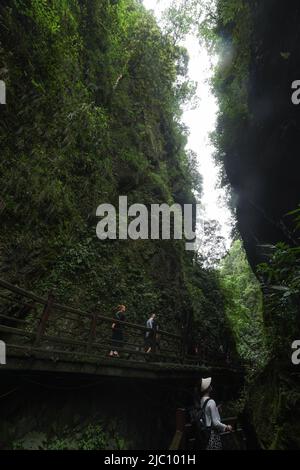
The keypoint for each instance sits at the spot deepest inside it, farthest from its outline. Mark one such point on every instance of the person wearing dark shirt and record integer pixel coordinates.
(150, 336)
(117, 336)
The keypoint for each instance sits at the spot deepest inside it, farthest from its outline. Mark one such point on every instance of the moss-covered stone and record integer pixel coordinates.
(273, 404)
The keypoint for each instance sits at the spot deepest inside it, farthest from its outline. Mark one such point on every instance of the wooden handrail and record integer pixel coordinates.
(178, 439)
(24, 293)
(182, 439)
(104, 345)
(93, 333)
(78, 312)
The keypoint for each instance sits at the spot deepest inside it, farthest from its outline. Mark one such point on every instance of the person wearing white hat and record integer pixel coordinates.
(212, 415)
(205, 384)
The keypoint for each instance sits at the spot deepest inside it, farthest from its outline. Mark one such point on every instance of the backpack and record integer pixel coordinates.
(198, 420)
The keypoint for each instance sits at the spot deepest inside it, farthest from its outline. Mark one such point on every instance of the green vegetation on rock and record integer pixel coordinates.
(250, 83)
(244, 307)
(94, 91)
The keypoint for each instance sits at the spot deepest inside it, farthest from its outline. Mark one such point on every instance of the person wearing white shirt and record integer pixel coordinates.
(212, 416)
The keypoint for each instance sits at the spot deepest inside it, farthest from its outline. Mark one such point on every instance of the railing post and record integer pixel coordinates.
(181, 425)
(44, 318)
(180, 419)
(92, 333)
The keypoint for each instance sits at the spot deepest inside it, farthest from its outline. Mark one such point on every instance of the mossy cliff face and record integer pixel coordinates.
(93, 113)
(273, 408)
(258, 127)
(258, 142)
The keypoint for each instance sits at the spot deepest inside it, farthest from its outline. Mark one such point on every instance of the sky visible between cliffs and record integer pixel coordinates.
(201, 121)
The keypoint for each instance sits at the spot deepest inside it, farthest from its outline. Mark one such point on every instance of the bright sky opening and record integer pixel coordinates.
(201, 122)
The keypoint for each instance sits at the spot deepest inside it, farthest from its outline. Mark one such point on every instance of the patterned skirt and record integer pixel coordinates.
(214, 442)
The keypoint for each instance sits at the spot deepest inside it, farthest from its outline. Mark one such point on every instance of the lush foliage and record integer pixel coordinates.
(88, 436)
(281, 280)
(212, 244)
(260, 160)
(244, 306)
(94, 93)
(226, 29)
(280, 277)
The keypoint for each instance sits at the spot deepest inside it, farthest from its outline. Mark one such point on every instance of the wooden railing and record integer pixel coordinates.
(185, 439)
(31, 323)
(34, 323)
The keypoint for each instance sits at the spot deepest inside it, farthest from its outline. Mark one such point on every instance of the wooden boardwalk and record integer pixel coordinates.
(43, 335)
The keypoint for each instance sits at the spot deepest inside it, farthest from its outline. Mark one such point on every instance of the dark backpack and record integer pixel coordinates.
(198, 420)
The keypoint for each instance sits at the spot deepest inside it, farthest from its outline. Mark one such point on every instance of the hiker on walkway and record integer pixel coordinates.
(151, 336)
(212, 419)
(117, 336)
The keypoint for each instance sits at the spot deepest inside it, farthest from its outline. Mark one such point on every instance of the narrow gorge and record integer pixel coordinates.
(95, 96)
